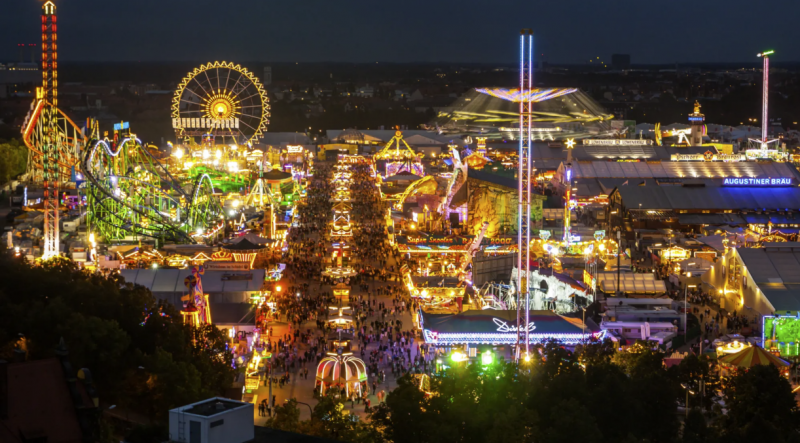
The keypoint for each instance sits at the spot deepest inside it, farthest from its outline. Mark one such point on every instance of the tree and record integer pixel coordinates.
(285, 417)
(13, 159)
(571, 422)
(695, 429)
(141, 355)
(695, 373)
(405, 414)
(761, 397)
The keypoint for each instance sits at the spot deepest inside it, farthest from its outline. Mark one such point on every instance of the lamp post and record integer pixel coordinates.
(583, 326)
(686, 306)
(310, 412)
(619, 254)
(688, 391)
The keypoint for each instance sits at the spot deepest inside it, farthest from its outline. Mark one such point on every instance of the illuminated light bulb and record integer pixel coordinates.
(206, 154)
(218, 154)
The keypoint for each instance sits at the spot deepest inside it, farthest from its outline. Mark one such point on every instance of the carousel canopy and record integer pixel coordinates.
(751, 356)
(276, 176)
(243, 245)
(402, 176)
(253, 238)
(329, 369)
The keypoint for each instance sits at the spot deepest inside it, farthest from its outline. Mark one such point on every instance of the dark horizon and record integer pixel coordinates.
(713, 31)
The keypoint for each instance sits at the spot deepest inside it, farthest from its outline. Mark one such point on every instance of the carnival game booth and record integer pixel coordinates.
(494, 327)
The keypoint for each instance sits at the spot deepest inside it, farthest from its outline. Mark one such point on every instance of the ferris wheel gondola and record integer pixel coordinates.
(220, 100)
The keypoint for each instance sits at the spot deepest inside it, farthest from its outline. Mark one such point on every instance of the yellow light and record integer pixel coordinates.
(206, 154)
(178, 153)
(278, 288)
(220, 108)
(218, 154)
(458, 357)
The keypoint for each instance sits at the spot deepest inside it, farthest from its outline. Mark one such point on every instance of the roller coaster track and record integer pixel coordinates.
(33, 134)
(132, 195)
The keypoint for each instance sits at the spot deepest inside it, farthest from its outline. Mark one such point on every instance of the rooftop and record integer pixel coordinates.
(212, 406)
(775, 268)
(709, 198)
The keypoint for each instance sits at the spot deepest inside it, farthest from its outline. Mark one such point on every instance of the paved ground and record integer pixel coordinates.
(302, 389)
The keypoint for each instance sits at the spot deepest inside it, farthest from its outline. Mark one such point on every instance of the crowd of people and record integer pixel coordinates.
(381, 333)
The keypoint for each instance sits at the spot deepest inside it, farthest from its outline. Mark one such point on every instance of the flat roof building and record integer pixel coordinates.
(761, 281)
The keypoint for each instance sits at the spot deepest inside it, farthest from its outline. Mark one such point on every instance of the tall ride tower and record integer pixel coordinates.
(698, 122)
(51, 139)
(524, 175)
(765, 100)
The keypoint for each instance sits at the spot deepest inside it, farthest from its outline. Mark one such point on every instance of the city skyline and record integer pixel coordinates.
(443, 32)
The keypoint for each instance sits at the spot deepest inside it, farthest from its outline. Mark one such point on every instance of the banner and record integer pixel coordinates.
(226, 266)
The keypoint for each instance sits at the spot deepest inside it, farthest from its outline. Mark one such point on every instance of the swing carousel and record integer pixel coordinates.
(397, 157)
(341, 370)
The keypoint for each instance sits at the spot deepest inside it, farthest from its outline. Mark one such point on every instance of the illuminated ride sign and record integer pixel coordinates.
(500, 327)
(757, 182)
(616, 142)
(455, 243)
(708, 157)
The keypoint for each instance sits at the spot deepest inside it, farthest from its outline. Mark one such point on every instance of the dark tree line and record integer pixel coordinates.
(142, 357)
(594, 395)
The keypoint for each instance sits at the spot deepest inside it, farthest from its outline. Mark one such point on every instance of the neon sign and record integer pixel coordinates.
(504, 327)
(748, 181)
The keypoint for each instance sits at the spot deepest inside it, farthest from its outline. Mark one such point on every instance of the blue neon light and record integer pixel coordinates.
(764, 182)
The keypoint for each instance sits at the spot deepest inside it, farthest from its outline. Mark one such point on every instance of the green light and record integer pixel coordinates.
(487, 358)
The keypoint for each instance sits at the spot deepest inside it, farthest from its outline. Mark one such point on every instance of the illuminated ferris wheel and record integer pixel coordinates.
(223, 101)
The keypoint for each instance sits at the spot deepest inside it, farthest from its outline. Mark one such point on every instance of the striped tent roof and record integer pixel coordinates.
(751, 356)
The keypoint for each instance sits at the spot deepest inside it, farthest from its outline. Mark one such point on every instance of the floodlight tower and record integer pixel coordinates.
(50, 148)
(524, 175)
(765, 92)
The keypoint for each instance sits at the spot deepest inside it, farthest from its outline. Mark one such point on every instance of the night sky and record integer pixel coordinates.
(567, 31)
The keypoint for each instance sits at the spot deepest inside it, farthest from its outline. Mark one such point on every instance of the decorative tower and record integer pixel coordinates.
(524, 174)
(765, 97)
(697, 120)
(50, 147)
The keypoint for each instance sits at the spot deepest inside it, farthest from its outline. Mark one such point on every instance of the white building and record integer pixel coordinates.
(216, 420)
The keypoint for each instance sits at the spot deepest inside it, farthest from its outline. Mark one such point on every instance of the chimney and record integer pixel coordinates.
(3, 389)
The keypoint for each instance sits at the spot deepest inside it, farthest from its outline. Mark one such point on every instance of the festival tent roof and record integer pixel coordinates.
(752, 356)
(164, 281)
